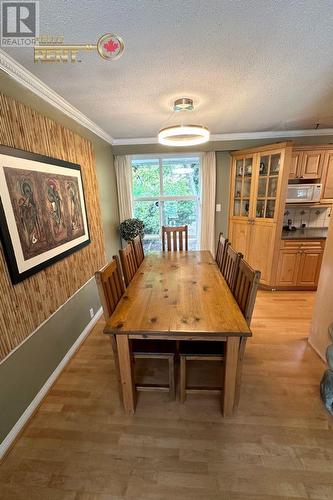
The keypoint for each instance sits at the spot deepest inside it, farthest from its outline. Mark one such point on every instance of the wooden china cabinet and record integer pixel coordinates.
(259, 181)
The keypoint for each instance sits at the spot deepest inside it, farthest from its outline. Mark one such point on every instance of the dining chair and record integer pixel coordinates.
(175, 238)
(110, 286)
(138, 250)
(111, 289)
(246, 289)
(128, 262)
(221, 251)
(199, 351)
(231, 266)
(205, 350)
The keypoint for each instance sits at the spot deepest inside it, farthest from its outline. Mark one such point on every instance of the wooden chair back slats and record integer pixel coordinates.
(128, 262)
(246, 289)
(110, 286)
(231, 267)
(174, 238)
(221, 251)
(138, 250)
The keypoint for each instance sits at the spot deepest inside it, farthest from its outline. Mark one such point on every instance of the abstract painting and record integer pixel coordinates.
(42, 211)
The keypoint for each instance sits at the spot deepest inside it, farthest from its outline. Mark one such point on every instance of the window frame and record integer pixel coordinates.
(163, 198)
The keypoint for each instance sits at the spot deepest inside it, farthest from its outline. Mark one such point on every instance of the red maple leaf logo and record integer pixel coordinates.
(111, 46)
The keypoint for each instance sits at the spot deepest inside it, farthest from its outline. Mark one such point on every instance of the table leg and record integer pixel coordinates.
(126, 373)
(231, 362)
(239, 371)
(116, 362)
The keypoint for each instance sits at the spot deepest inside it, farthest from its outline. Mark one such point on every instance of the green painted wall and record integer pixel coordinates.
(25, 371)
(222, 192)
(108, 197)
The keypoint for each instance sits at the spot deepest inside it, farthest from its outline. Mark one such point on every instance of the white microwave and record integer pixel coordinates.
(303, 193)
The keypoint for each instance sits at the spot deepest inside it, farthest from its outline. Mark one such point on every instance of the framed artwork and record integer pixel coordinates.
(42, 211)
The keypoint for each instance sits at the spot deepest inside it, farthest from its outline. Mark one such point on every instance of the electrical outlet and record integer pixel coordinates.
(91, 312)
(218, 207)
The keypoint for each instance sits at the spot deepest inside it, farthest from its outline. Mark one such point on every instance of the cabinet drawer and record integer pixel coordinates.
(302, 244)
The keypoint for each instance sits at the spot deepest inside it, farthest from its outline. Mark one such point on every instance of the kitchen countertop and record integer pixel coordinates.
(308, 233)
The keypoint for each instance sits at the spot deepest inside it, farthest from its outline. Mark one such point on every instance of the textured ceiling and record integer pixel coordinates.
(249, 65)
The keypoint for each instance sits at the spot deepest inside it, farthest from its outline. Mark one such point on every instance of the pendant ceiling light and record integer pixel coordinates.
(183, 134)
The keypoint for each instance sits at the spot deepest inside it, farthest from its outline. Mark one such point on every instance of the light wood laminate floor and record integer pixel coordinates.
(80, 445)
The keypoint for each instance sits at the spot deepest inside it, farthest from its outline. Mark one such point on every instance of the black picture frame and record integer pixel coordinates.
(15, 273)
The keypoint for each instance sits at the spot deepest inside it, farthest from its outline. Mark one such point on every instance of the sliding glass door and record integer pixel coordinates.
(166, 192)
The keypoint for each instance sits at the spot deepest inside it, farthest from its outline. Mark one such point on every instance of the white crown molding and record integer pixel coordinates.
(271, 134)
(238, 136)
(139, 140)
(20, 74)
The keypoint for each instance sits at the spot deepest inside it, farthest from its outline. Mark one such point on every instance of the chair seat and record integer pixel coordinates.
(143, 346)
(156, 349)
(198, 347)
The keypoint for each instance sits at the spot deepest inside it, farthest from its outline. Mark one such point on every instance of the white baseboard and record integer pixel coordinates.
(317, 351)
(11, 436)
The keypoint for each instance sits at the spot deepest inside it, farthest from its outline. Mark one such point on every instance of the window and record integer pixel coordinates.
(166, 192)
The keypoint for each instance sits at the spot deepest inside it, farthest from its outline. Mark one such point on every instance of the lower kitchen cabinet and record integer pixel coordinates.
(299, 264)
(309, 267)
(288, 268)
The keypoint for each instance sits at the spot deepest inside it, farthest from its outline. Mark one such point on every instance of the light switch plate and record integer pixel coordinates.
(218, 207)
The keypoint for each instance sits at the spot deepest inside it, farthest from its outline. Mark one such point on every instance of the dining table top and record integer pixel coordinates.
(175, 294)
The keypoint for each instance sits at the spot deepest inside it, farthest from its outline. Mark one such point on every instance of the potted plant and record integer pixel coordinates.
(130, 228)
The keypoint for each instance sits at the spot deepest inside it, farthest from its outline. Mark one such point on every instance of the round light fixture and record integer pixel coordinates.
(183, 104)
(183, 135)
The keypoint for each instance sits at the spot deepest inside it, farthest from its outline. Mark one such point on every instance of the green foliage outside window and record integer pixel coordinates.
(147, 211)
(180, 177)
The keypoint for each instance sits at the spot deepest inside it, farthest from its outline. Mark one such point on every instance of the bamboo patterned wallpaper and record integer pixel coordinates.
(25, 306)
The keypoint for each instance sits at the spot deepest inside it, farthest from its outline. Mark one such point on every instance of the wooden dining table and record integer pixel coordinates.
(180, 296)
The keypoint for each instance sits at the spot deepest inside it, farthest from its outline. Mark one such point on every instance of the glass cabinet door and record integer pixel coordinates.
(269, 169)
(242, 188)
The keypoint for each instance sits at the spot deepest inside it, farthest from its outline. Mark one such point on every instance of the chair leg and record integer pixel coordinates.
(172, 392)
(182, 378)
(116, 362)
